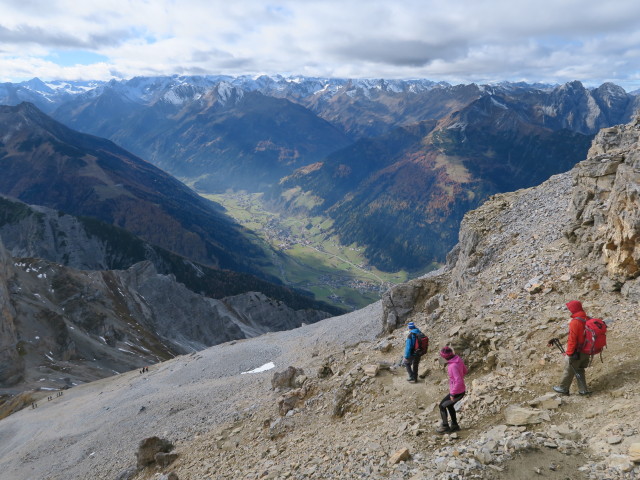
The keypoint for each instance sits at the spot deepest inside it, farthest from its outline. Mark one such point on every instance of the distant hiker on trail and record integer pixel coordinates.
(577, 361)
(415, 346)
(456, 370)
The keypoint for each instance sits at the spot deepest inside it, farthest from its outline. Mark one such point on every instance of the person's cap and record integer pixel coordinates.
(411, 325)
(447, 353)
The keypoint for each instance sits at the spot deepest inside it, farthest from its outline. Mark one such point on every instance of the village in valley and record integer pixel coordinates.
(308, 255)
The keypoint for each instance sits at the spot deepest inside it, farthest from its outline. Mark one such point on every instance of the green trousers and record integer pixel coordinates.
(575, 367)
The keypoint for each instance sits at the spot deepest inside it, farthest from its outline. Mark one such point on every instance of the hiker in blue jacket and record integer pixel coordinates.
(411, 360)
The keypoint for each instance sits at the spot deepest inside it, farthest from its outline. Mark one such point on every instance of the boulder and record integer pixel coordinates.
(165, 459)
(169, 476)
(548, 401)
(634, 452)
(515, 415)
(614, 440)
(127, 474)
(371, 370)
(569, 433)
(403, 300)
(286, 379)
(148, 448)
(401, 455)
(290, 400)
(484, 455)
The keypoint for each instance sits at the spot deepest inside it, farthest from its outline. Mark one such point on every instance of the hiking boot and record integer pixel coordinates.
(443, 429)
(411, 380)
(585, 392)
(561, 390)
(454, 428)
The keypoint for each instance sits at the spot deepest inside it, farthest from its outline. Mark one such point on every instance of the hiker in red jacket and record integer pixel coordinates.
(456, 369)
(577, 361)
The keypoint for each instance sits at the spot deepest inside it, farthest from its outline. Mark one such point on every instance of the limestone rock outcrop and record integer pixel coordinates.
(605, 206)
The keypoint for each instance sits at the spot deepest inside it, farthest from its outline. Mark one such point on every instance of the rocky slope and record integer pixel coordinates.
(344, 410)
(61, 326)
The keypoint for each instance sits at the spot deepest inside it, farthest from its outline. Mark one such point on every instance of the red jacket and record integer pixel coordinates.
(576, 327)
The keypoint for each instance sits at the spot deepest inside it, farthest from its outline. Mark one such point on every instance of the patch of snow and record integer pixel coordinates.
(498, 104)
(458, 126)
(263, 368)
(173, 98)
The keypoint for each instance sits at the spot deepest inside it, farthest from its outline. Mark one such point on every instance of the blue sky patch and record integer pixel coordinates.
(69, 58)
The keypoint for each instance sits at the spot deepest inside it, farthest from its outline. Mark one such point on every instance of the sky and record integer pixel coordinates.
(456, 41)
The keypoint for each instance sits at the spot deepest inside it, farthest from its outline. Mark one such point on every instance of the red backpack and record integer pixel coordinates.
(421, 344)
(595, 336)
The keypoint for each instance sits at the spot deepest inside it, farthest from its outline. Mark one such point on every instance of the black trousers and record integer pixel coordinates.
(412, 366)
(446, 405)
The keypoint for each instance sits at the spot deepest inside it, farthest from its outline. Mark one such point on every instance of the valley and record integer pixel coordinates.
(307, 254)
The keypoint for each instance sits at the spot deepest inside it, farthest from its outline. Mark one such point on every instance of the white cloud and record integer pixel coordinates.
(463, 41)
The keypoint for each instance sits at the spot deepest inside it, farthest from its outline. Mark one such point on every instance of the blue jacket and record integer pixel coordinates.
(409, 344)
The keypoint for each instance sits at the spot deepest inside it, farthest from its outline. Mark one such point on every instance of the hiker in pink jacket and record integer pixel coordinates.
(456, 370)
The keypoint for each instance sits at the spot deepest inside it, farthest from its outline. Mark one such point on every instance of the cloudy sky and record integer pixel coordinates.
(458, 41)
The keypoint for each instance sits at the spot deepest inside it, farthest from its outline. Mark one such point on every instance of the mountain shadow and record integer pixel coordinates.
(46, 163)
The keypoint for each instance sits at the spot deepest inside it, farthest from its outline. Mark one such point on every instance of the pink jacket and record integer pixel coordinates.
(456, 370)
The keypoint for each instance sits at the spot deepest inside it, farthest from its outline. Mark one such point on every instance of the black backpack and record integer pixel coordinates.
(421, 344)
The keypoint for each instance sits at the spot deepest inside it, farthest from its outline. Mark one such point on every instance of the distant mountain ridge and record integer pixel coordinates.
(265, 134)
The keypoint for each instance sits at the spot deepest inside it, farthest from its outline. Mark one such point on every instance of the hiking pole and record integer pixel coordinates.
(556, 342)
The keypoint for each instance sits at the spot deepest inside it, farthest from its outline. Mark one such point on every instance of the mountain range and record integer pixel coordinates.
(394, 163)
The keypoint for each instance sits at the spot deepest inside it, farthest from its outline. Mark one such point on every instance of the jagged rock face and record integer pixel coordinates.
(11, 363)
(68, 326)
(40, 232)
(606, 204)
(423, 294)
